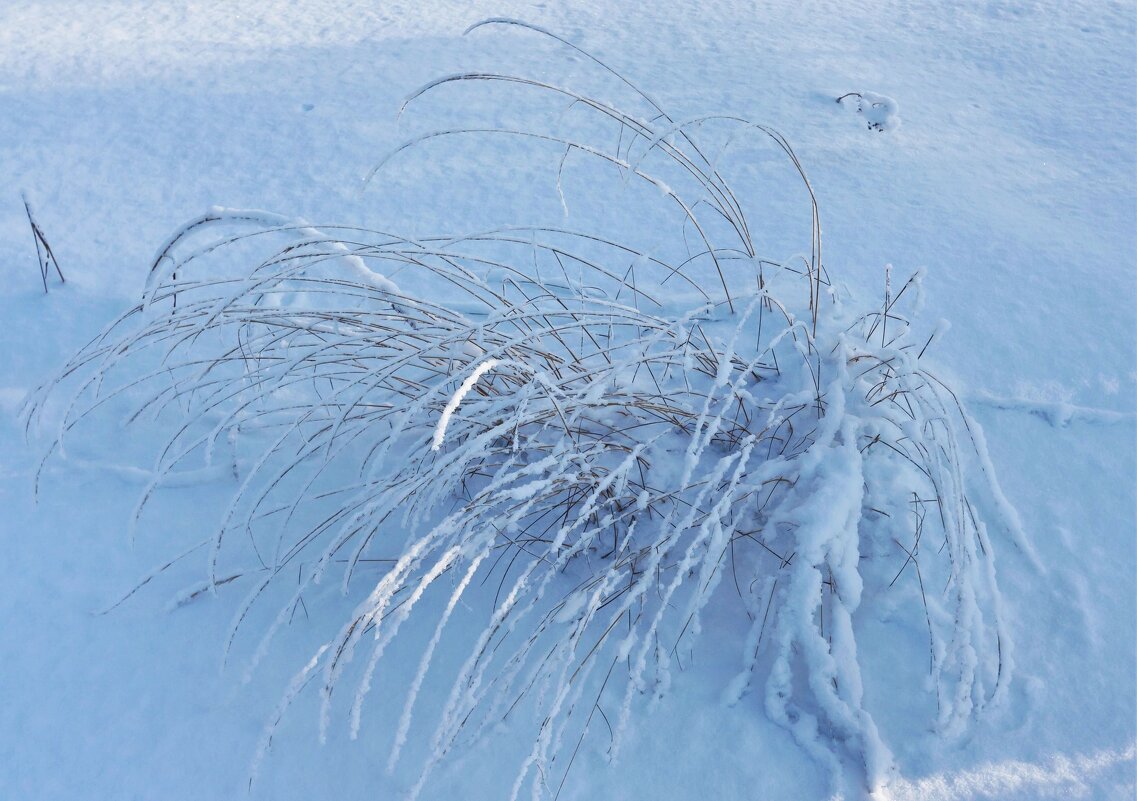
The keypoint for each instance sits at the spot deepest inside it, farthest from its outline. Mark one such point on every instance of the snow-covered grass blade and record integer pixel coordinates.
(612, 437)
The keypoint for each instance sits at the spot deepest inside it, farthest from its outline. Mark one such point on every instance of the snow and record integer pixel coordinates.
(456, 400)
(1012, 183)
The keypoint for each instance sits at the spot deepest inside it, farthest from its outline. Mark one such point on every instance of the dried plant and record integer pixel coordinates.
(566, 423)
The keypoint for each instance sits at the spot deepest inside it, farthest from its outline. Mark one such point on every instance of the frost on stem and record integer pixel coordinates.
(657, 427)
(456, 399)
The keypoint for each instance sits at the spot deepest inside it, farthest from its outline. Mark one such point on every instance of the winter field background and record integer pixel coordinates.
(993, 147)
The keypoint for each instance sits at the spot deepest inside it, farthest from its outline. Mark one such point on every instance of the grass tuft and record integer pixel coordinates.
(584, 435)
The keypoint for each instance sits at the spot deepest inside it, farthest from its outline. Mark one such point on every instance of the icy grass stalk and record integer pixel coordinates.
(456, 399)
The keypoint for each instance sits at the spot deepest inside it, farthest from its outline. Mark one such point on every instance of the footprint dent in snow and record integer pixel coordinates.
(879, 112)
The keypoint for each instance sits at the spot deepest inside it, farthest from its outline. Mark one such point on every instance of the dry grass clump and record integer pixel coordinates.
(609, 437)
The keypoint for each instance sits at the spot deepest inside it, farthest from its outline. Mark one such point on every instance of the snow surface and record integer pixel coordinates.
(1012, 181)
